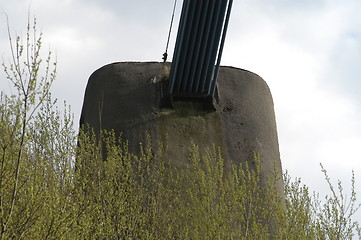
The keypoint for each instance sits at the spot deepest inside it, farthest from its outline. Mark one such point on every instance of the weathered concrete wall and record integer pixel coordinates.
(126, 97)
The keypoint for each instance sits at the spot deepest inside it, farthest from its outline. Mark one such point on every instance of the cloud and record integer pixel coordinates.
(309, 55)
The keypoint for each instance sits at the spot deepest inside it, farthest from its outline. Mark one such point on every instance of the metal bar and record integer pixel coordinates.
(220, 51)
(177, 49)
(203, 51)
(185, 40)
(194, 31)
(209, 47)
(215, 46)
(198, 45)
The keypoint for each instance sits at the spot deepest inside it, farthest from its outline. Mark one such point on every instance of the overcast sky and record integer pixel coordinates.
(308, 51)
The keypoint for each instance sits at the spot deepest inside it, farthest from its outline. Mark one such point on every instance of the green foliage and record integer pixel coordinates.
(145, 197)
(334, 217)
(54, 188)
(310, 218)
(36, 147)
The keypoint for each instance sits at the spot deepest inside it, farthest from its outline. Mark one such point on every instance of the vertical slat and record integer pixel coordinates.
(177, 48)
(199, 46)
(203, 51)
(185, 44)
(196, 58)
(194, 31)
(220, 51)
(215, 47)
(209, 44)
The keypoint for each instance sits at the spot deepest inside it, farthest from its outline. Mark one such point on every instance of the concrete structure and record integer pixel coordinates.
(127, 97)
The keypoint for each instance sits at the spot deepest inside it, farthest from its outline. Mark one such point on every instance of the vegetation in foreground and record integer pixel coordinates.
(45, 195)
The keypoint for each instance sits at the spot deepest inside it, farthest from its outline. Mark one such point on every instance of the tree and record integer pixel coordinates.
(36, 144)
